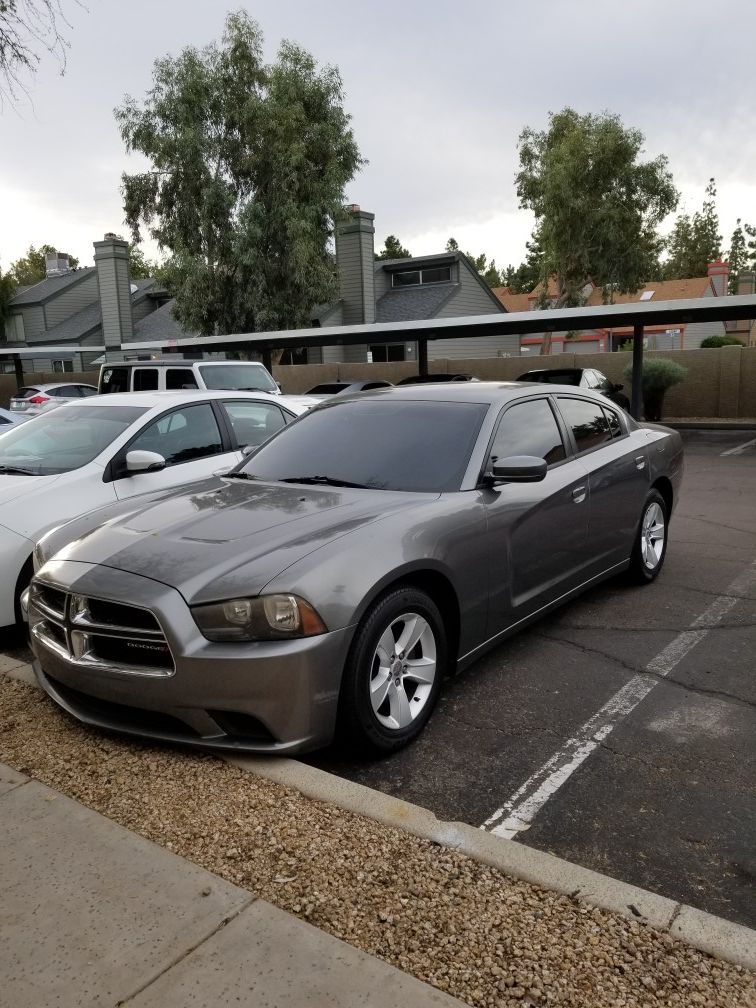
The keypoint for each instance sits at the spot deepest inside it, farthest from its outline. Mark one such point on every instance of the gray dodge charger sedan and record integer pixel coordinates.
(332, 579)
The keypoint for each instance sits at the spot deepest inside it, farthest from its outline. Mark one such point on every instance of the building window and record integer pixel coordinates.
(60, 366)
(418, 278)
(383, 353)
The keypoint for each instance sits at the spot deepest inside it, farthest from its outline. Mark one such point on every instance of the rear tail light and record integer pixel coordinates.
(37, 400)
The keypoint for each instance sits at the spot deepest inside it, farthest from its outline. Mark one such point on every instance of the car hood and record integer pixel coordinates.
(12, 487)
(191, 540)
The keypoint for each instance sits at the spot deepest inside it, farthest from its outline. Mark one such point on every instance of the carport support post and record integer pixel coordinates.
(19, 368)
(267, 359)
(636, 397)
(422, 356)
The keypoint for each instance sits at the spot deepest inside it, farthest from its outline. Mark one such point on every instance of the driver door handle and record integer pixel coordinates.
(578, 494)
(640, 462)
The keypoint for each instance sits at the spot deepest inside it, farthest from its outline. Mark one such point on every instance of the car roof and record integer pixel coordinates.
(166, 399)
(181, 362)
(490, 392)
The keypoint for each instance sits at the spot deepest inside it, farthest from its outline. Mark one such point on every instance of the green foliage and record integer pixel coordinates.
(742, 253)
(659, 374)
(480, 263)
(719, 341)
(523, 278)
(393, 249)
(30, 269)
(140, 267)
(597, 205)
(248, 167)
(694, 241)
(8, 287)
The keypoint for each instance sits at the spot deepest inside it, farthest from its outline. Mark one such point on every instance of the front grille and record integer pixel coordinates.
(122, 651)
(117, 614)
(95, 632)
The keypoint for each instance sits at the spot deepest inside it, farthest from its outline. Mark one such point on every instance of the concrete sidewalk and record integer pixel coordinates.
(92, 914)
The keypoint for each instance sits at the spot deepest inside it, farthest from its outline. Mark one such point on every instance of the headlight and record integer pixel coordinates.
(269, 617)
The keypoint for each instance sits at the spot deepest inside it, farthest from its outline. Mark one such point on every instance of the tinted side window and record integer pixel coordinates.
(253, 422)
(589, 424)
(115, 380)
(615, 427)
(64, 392)
(86, 390)
(180, 378)
(145, 379)
(529, 428)
(182, 436)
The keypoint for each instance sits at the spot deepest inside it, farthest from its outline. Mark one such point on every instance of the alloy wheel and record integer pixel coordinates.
(403, 671)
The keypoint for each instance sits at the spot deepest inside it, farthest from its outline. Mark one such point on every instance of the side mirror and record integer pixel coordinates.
(247, 449)
(519, 469)
(138, 461)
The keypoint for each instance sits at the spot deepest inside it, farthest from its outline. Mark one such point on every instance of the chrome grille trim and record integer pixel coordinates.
(81, 634)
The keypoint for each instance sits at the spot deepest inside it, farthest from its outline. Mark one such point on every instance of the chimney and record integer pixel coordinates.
(719, 273)
(112, 262)
(56, 263)
(355, 262)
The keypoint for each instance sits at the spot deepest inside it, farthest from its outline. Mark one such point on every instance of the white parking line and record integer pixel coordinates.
(739, 448)
(518, 812)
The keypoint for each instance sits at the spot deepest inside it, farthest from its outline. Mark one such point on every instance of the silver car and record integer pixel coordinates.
(31, 400)
(332, 579)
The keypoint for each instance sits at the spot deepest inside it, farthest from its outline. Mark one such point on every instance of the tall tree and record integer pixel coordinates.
(523, 278)
(485, 267)
(7, 290)
(742, 253)
(597, 205)
(248, 167)
(393, 249)
(26, 28)
(694, 241)
(30, 268)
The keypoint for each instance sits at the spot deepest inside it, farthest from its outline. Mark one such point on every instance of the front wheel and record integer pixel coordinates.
(393, 673)
(650, 545)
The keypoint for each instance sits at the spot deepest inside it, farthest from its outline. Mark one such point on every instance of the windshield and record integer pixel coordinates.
(383, 444)
(237, 376)
(63, 439)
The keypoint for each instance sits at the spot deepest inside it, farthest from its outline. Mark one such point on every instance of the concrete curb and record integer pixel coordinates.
(715, 936)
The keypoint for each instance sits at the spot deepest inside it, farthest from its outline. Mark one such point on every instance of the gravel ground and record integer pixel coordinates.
(461, 926)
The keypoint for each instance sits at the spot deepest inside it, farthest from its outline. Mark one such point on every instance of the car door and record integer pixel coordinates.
(188, 438)
(537, 531)
(616, 466)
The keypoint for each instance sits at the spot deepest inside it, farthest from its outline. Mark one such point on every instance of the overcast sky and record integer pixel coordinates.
(438, 94)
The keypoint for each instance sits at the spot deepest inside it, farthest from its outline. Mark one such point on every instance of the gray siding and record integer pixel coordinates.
(483, 346)
(71, 300)
(470, 298)
(112, 262)
(34, 322)
(354, 254)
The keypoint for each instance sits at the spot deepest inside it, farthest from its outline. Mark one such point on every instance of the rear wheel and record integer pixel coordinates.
(393, 673)
(650, 545)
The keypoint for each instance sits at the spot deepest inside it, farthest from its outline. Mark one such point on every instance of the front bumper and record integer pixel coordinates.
(275, 697)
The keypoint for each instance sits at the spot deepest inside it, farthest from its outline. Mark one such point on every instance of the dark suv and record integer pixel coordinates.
(582, 377)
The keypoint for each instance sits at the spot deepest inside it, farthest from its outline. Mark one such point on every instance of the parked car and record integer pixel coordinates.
(438, 376)
(35, 399)
(180, 373)
(588, 378)
(8, 419)
(332, 579)
(108, 448)
(333, 388)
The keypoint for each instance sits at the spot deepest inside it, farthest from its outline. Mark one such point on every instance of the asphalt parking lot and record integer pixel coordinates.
(619, 733)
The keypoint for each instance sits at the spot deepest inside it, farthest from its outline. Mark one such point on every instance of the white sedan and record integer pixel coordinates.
(103, 449)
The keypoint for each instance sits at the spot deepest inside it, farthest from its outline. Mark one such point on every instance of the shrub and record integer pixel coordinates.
(659, 374)
(719, 341)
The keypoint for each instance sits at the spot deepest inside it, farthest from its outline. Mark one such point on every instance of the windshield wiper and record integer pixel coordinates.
(326, 481)
(239, 475)
(16, 471)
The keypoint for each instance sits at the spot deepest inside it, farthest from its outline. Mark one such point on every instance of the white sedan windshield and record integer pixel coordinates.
(63, 439)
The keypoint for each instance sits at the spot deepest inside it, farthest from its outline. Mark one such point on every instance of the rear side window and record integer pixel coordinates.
(252, 422)
(145, 379)
(180, 378)
(115, 379)
(27, 392)
(529, 428)
(587, 421)
(615, 427)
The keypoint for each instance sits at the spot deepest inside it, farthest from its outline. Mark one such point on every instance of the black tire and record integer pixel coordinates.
(646, 560)
(359, 724)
